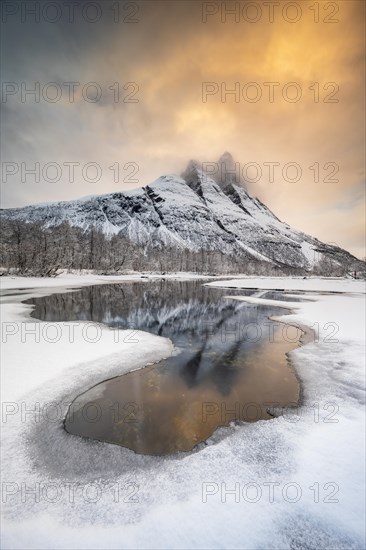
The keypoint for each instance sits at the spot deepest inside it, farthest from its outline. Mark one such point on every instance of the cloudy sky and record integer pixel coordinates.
(150, 90)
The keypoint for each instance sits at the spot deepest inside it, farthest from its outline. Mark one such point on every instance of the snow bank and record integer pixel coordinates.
(72, 280)
(317, 284)
(296, 481)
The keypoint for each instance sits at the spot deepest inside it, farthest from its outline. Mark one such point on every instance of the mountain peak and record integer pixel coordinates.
(213, 216)
(226, 157)
(225, 171)
(193, 172)
(228, 172)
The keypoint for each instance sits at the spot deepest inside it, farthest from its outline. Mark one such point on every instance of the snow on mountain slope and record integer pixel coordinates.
(194, 212)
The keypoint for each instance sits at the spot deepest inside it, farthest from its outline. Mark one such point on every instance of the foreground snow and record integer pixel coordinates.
(296, 481)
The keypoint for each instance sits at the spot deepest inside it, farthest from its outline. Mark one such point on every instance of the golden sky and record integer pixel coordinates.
(170, 53)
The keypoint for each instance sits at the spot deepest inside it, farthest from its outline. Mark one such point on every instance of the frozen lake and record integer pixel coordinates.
(294, 481)
(230, 363)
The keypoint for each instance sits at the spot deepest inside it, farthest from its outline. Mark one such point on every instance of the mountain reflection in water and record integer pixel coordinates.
(231, 363)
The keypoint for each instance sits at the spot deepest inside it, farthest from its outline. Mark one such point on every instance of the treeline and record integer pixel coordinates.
(33, 250)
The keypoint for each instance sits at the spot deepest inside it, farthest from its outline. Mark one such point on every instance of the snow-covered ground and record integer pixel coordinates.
(309, 284)
(294, 482)
(85, 278)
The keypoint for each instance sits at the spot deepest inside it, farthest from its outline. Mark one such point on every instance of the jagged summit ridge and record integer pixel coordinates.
(225, 171)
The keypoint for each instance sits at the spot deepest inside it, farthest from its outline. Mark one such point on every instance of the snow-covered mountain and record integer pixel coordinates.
(194, 212)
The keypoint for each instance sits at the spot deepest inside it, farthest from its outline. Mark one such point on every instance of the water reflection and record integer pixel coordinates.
(231, 364)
